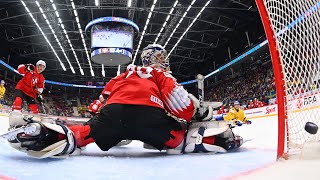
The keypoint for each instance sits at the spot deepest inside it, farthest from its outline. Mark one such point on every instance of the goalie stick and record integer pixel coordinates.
(200, 80)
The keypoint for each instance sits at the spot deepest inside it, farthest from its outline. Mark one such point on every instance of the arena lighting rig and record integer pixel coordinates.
(194, 20)
(45, 37)
(307, 13)
(65, 32)
(166, 21)
(144, 30)
(55, 36)
(181, 19)
(81, 34)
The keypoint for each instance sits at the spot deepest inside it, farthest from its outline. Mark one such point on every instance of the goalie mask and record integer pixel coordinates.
(156, 56)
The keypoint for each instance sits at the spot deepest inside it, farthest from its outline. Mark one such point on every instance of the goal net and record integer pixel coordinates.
(293, 31)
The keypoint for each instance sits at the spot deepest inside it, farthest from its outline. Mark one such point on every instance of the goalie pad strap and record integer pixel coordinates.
(70, 137)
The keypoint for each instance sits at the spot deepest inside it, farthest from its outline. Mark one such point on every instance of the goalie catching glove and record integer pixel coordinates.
(42, 140)
(207, 116)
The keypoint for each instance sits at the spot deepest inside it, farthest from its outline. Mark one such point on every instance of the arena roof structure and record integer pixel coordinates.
(199, 35)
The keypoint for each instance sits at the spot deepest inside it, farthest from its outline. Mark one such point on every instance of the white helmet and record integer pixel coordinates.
(101, 98)
(155, 54)
(2, 82)
(42, 63)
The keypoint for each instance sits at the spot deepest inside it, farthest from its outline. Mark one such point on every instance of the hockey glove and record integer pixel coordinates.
(29, 67)
(238, 123)
(208, 111)
(248, 122)
(219, 118)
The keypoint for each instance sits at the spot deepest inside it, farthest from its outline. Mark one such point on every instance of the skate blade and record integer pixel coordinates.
(11, 135)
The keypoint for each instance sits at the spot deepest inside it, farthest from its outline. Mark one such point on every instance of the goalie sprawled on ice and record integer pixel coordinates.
(143, 103)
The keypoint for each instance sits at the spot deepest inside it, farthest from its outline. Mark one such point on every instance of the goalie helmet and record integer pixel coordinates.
(155, 55)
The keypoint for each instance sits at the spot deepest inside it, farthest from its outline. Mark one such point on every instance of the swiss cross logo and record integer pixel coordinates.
(34, 81)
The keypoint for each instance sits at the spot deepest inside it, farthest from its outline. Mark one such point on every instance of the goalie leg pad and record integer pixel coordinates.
(46, 143)
(196, 134)
(196, 144)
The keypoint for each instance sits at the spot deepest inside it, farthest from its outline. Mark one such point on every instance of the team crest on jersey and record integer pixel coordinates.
(34, 81)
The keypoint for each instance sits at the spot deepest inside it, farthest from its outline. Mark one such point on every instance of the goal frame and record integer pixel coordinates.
(279, 79)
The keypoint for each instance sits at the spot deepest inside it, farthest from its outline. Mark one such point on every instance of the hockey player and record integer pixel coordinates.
(30, 86)
(2, 92)
(136, 109)
(235, 115)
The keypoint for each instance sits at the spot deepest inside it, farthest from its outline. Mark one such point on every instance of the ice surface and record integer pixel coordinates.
(134, 162)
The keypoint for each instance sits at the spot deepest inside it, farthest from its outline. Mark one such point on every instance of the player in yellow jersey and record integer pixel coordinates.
(235, 115)
(2, 92)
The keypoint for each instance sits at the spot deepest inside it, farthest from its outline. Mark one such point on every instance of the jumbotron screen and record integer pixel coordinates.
(112, 35)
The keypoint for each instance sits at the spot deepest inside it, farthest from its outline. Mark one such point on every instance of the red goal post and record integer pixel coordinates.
(293, 31)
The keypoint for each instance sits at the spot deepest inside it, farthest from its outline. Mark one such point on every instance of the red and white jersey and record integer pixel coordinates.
(32, 83)
(150, 87)
(251, 105)
(95, 106)
(260, 104)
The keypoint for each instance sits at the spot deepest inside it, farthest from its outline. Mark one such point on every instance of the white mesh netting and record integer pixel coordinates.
(296, 24)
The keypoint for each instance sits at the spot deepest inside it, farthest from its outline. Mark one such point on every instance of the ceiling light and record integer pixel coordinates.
(181, 19)
(129, 3)
(45, 37)
(144, 31)
(62, 49)
(83, 41)
(165, 22)
(194, 20)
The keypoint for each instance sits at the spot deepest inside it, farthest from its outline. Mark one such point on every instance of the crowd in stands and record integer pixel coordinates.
(252, 88)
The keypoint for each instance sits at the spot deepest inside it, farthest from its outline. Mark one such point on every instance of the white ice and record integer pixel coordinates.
(134, 162)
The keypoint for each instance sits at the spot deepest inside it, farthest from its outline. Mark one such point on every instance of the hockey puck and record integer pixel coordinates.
(311, 128)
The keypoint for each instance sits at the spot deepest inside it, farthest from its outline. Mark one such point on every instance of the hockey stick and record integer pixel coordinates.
(200, 80)
(118, 71)
(42, 106)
